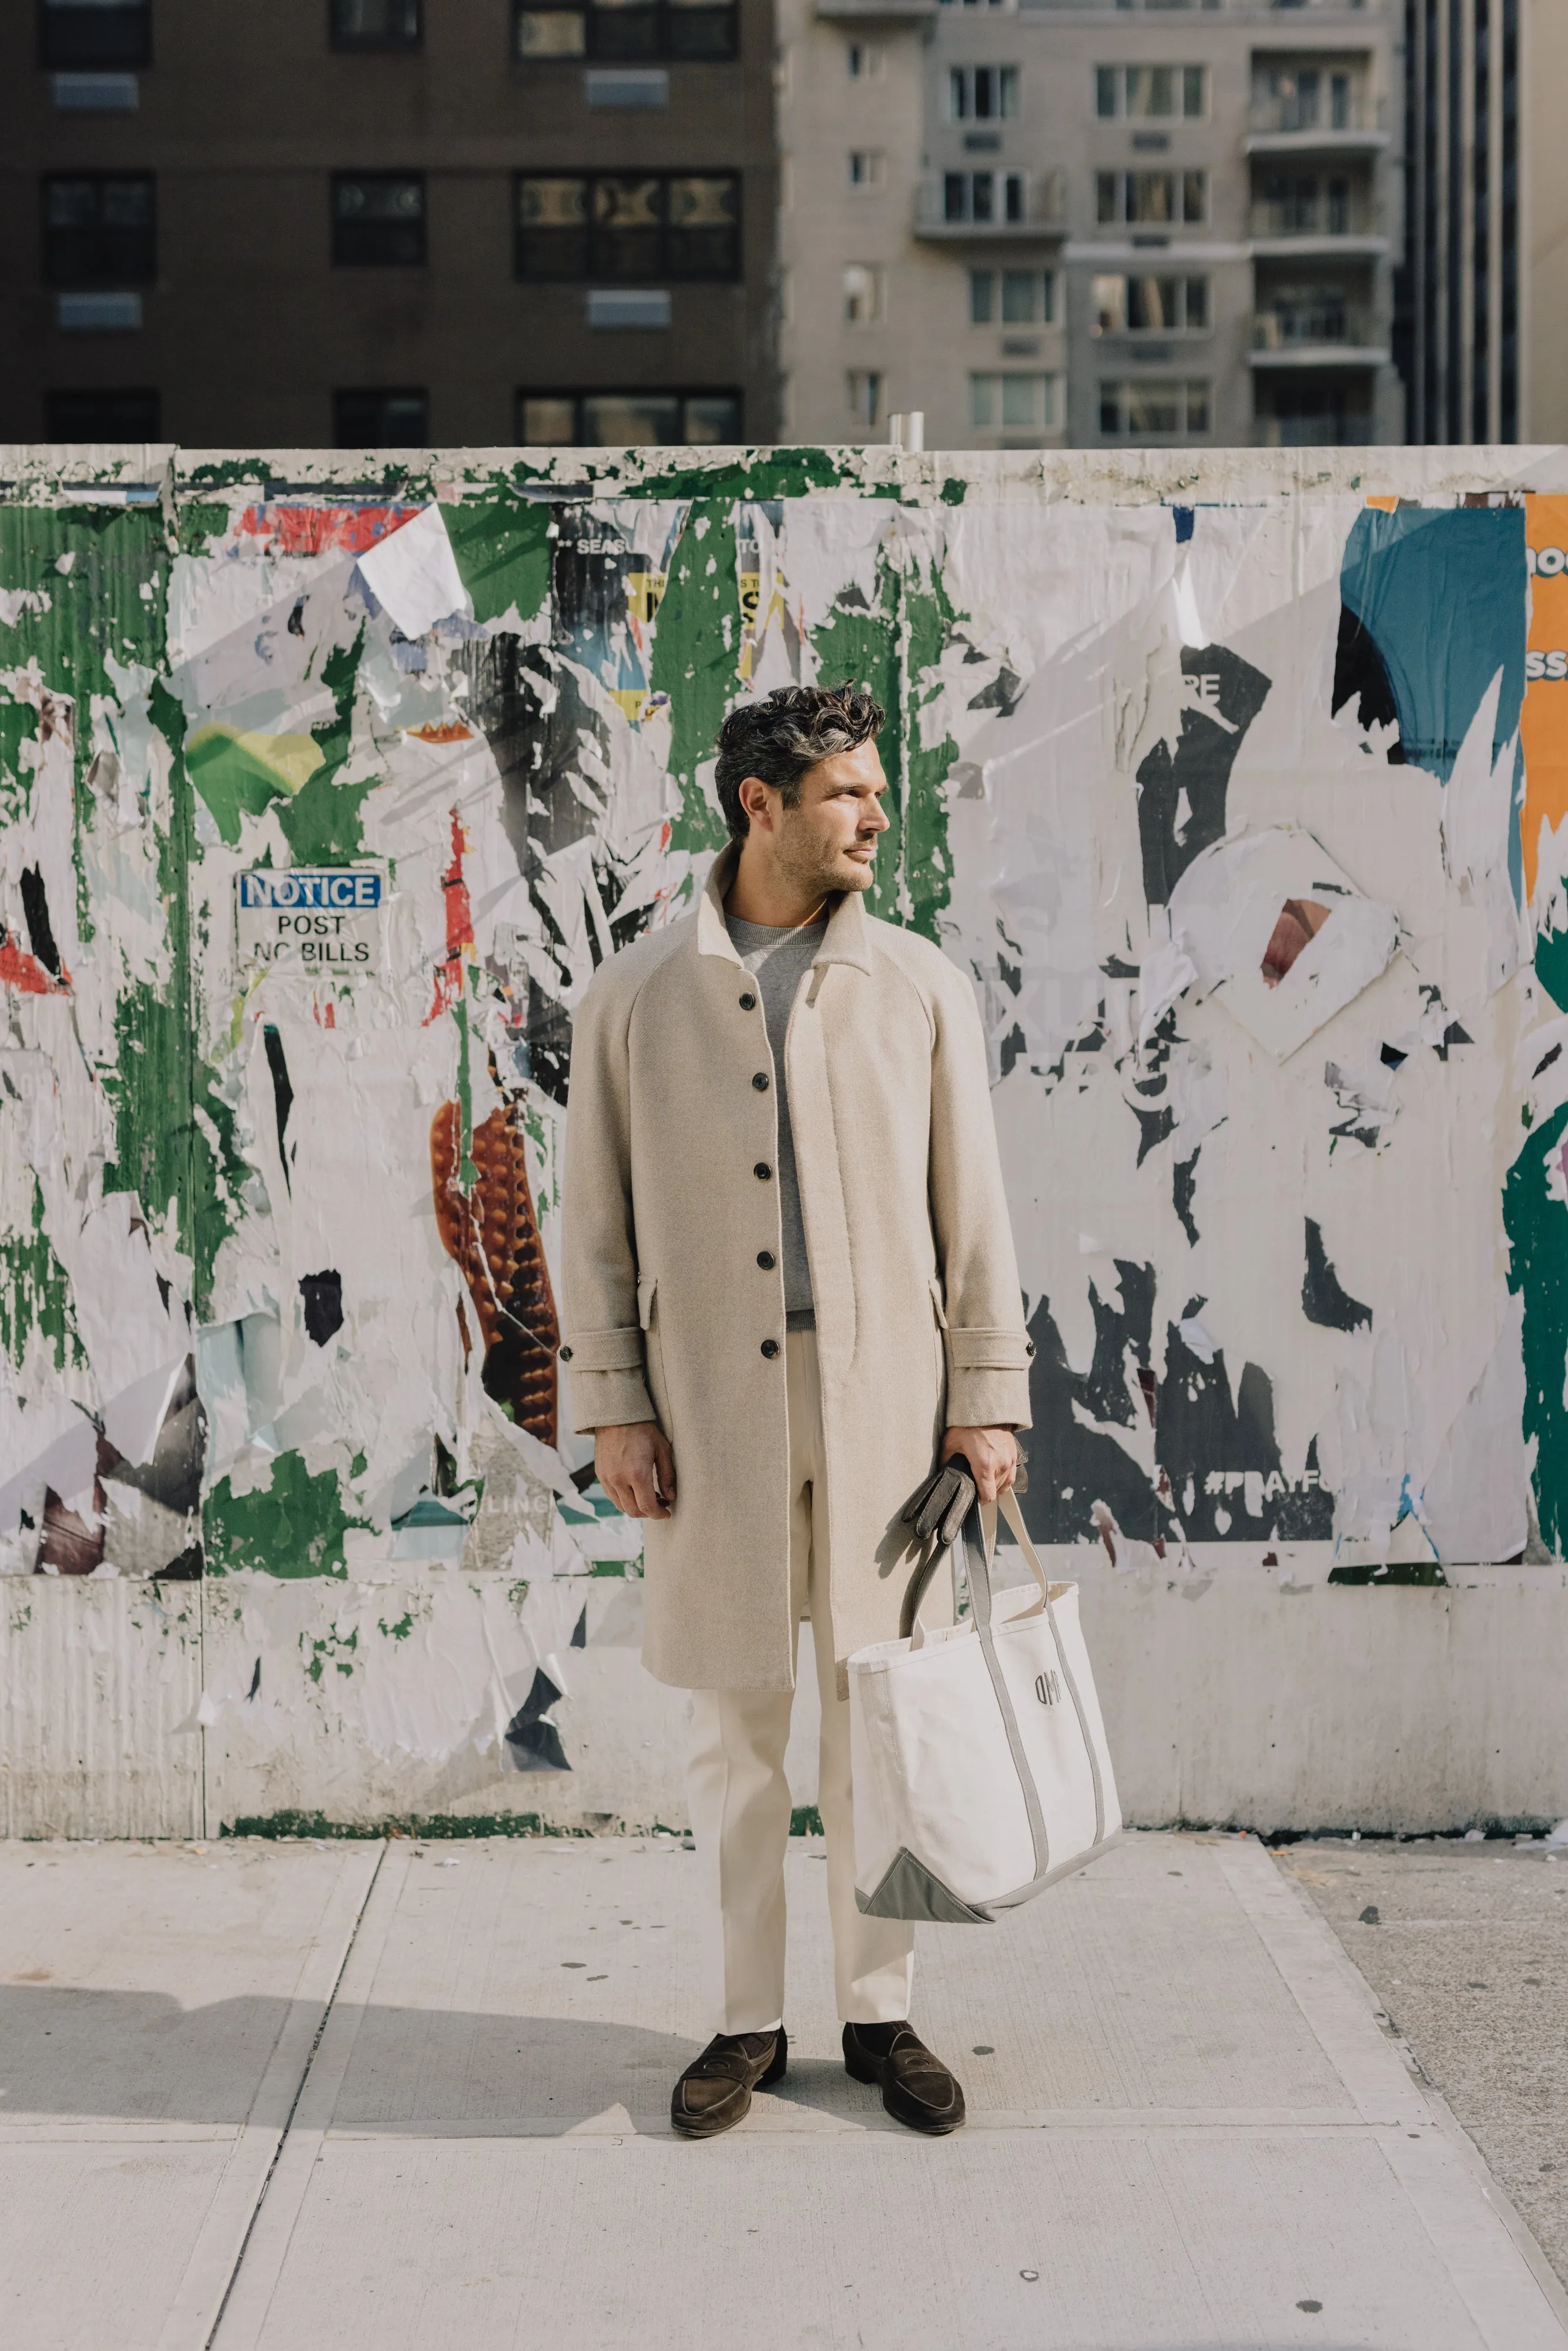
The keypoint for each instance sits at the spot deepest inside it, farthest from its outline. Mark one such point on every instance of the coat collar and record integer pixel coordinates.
(846, 940)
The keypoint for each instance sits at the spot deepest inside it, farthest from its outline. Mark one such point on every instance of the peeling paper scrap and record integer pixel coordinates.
(1279, 935)
(413, 575)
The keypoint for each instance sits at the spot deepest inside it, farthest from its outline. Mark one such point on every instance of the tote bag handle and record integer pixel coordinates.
(979, 1555)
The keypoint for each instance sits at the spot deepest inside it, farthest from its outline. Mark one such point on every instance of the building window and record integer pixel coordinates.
(868, 168)
(100, 229)
(620, 420)
(1149, 93)
(983, 196)
(1152, 410)
(1314, 412)
(102, 415)
(865, 294)
(865, 60)
(372, 417)
(647, 225)
(100, 32)
(863, 387)
(377, 219)
(1015, 403)
(1152, 199)
(619, 32)
(376, 23)
(1012, 297)
(1151, 306)
(982, 93)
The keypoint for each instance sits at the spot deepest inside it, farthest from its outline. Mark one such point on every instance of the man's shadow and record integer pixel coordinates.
(140, 2057)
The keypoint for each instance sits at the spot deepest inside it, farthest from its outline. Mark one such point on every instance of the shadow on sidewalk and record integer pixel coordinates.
(134, 2056)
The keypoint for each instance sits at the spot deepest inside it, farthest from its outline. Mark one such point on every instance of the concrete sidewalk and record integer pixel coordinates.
(265, 2095)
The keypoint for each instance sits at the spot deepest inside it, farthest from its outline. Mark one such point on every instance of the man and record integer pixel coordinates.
(790, 1283)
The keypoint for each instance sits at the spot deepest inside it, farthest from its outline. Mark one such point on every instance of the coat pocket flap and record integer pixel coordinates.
(939, 1306)
(605, 1350)
(977, 1350)
(647, 1290)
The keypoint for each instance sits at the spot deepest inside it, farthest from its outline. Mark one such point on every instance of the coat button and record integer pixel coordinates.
(1028, 1346)
(748, 1002)
(770, 1347)
(760, 1082)
(767, 1260)
(566, 1355)
(762, 1171)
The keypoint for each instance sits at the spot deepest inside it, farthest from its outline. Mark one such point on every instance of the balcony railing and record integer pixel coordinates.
(1325, 214)
(868, 11)
(1317, 115)
(1363, 8)
(1293, 326)
(970, 206)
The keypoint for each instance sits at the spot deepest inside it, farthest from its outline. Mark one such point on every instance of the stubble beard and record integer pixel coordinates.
(816, 871)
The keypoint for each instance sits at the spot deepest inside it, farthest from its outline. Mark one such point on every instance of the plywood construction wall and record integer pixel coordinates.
(1237, 784)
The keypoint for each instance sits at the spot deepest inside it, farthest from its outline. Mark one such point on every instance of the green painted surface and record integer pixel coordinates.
(18, 725)
(696, 652)
(1537, 1228)
(322, 822)
(295, 1526)
(201, 522)
(34, 1294)
(1552, 965)
(773, 473)
(887, 645)
(502, 546)
(237, 777)
(930, 621)
(95, 609)
(175, 1141)
(858, 644)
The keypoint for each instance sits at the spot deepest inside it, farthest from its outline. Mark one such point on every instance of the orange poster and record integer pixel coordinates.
(1544, 723)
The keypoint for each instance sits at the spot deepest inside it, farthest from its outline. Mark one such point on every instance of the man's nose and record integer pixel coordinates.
(874, 818)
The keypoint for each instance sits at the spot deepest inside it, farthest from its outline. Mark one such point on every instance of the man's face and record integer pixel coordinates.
(829, 841)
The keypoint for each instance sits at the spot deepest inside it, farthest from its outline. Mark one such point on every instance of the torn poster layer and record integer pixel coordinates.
(319, 810)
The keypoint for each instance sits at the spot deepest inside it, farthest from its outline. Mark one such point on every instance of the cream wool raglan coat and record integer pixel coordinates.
(671, 1206)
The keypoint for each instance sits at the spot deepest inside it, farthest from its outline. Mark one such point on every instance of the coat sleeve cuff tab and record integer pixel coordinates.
(976, 1350)
(605, 1350)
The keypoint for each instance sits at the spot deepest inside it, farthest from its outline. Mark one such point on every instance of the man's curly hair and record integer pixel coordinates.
(786, 732)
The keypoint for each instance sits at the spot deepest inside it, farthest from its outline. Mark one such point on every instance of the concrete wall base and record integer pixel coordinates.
(136, 1710)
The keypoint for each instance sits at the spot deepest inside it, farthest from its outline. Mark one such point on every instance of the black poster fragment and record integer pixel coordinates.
(1181, 798)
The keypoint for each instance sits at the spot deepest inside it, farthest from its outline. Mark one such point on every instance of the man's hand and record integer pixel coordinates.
(991, 1453)
(636, 1469)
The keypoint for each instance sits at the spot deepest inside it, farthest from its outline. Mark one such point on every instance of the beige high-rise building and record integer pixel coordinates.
(1051, 223)
(1545, 288)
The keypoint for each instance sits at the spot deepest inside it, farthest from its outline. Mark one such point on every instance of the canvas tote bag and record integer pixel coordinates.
(978, 1753)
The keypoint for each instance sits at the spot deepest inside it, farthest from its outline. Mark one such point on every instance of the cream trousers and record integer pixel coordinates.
(740, 1799)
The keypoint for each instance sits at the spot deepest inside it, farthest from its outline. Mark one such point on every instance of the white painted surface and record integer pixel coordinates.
(1254, 1703)
(99, 1684)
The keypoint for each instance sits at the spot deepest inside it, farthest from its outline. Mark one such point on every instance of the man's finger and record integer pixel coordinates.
(648, 1503)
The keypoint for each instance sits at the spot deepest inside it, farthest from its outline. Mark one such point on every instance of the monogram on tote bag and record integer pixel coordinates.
(978, 1753)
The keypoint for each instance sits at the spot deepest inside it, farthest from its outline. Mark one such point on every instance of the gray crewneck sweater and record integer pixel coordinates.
(779, 961)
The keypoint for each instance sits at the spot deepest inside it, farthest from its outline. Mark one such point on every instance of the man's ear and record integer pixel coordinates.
(755, 800)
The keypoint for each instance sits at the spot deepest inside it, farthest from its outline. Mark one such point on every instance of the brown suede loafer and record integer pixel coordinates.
(714, 2094)
(917, 2087)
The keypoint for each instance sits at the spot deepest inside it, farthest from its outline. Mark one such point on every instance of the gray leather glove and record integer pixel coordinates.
(941, 1506)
